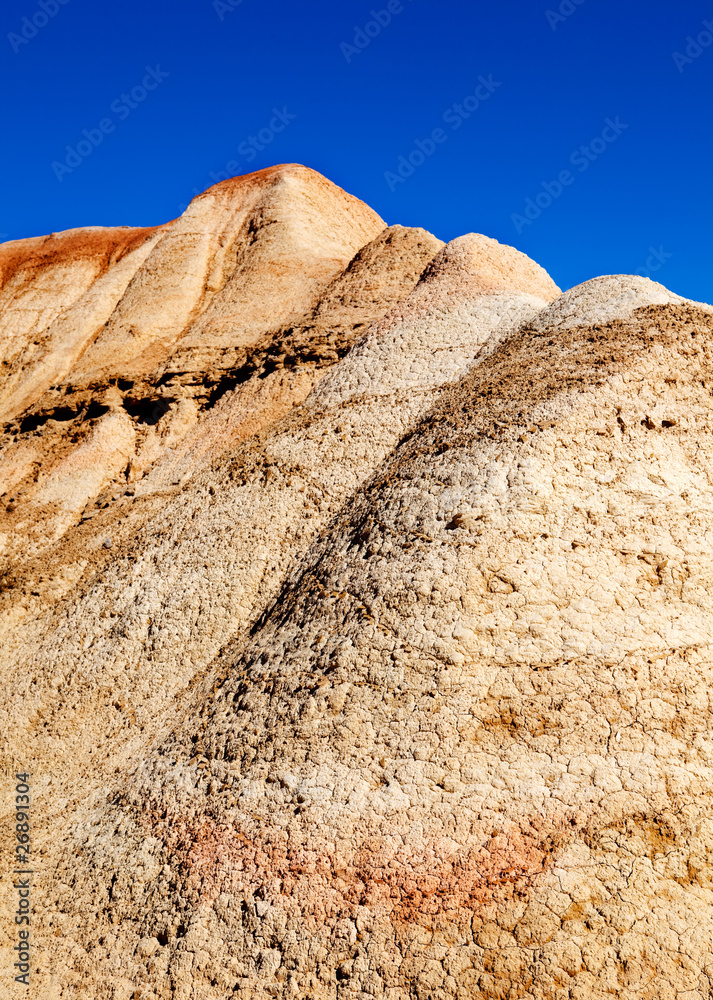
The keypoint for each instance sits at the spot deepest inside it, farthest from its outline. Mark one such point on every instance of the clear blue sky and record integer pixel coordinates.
(352, 111)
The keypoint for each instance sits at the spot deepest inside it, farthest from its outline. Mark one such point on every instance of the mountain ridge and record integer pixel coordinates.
(360, 645)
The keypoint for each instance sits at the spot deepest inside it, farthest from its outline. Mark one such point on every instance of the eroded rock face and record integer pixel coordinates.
(393, 677)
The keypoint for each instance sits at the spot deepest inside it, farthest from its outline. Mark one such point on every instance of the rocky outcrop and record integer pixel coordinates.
(118, 363)
(376, 661)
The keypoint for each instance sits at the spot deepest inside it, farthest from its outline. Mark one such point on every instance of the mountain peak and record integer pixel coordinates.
(355, 609)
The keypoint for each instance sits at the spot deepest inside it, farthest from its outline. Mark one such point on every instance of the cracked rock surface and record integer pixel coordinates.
(355, 612)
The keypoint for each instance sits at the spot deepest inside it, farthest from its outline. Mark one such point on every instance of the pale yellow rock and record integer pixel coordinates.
(380, 665)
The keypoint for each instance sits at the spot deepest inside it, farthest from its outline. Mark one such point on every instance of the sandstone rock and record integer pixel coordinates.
(393, 677)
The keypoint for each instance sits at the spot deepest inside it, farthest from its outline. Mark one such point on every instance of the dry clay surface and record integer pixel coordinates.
(393, 677)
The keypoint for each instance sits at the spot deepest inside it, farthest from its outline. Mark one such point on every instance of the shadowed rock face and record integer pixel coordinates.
(356, 611)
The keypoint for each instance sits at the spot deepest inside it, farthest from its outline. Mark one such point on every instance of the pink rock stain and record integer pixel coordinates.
(421, 882)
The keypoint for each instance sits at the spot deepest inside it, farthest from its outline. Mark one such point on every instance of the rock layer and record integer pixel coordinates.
(375, 659)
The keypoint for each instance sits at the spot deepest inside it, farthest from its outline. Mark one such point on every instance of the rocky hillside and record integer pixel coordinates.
(355, 612)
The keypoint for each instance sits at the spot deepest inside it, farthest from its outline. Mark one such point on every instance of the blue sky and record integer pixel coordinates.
(578, 132)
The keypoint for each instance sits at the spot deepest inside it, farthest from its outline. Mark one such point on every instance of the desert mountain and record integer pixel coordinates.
(356, 612)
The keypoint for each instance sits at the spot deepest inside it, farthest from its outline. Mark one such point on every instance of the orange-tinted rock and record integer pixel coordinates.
(355, 611)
